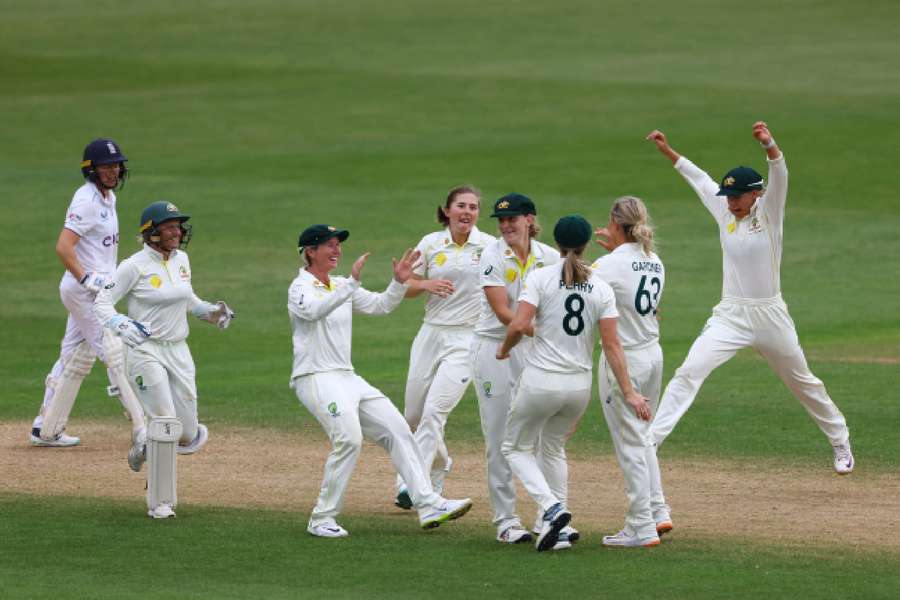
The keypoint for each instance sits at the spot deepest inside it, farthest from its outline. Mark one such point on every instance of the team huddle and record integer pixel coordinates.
(513, 316)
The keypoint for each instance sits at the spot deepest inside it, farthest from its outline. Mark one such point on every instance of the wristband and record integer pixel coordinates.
(771, 144)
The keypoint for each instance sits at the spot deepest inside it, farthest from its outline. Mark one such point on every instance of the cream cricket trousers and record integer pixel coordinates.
(81, 326)
(631, 438)
(440, 370)
(543, 415)
(766, 326)
(164, 377)
(349, 409)
(495, 382)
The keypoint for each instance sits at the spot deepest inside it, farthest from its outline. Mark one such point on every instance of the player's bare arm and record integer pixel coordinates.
(762, 135)
(437, 287)
(65, 250)
(662, 144)
(519, 326)
(615, 356)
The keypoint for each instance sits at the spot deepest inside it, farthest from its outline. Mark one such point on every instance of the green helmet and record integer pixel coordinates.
(158, 213)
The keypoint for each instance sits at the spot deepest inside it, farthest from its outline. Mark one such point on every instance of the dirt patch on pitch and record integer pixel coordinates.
(244, 468)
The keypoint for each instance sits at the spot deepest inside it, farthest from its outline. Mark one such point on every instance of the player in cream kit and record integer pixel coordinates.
(505, 264)
(752, 313)
(439, 366)
(87, 247)
(565, 303)
(637, 276)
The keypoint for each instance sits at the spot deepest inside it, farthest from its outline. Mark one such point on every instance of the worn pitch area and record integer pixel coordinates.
(258, 468)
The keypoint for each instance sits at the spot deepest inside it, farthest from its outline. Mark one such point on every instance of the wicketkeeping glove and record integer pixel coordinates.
(133, 333)
(221, 315)
(92, 282)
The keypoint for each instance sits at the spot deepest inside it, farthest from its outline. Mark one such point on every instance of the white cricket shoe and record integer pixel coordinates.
(433, 516)
(663, 521)
(60, 441)
(555, 518)
(514, 534)
(571, 534)
(328, 529)
(563, 543)
(163, 511)
(624, 540)
(198, 442)
(843, 458)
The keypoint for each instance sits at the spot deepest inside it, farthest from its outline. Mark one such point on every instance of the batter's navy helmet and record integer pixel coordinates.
(102, 152)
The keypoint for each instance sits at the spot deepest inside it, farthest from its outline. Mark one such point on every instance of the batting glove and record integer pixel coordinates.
(92, 282)
(133, 333)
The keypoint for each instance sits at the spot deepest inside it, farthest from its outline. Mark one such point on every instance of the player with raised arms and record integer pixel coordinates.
(565, 303)
(88, 248)
(752, 313)
(637, 277)
(321, 309)
(440, 369)
(156, 283)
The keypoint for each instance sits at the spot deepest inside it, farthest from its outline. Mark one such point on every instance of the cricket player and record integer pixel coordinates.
(750, 216)
(637, 277)
(505, 263)
(439, 365)
(87, 246)
(321, 309)
(156, 282)
(566, 302)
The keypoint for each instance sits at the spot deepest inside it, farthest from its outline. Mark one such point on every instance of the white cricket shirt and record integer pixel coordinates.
(322, 319)
(501, 267)
(565, 324)
(158, 291)
(637, 280)
(443, 259)
(94, 219)
(751, 247)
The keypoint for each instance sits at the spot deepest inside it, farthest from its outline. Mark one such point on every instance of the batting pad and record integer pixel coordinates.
(65, 389)
(162, 441)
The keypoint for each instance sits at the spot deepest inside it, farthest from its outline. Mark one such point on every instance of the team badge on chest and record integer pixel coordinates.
(510, 275)
(155, 281)
(440, 259)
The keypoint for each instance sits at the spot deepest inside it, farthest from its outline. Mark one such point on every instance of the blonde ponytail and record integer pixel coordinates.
(574, 269)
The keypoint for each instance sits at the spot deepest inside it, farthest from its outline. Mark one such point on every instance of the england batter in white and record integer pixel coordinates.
(439, 365)
(505, 264)
(156, 283)
(752, 312)
(87, 246)
(637, 276)
(321, 309)
(566, 302)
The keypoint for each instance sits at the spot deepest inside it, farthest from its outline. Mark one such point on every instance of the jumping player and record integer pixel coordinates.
(321, 309)
(637, 277)
(87, 246)
(752, 312)
(439, 366)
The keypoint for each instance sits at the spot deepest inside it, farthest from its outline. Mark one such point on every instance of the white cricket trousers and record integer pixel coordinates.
(543, 415)
(81, 326)
(164, 377)
(440, 370)
(495, 382)
(349, 409)
(631, 437)
(766, 326)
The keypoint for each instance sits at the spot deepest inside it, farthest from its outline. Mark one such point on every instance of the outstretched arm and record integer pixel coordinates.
(764, 137)
(662, 144)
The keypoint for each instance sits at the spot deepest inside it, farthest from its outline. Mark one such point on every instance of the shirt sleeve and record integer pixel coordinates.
(704, 186)
(424, 247)
(607, 302)
(530, 291)
(373, 303)
(80, 217)
(306, 304)
(124, 279)
(775, 198)
(491, 270)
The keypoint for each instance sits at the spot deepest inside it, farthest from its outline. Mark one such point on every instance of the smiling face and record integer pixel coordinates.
(514, 229)
(169, 233)
(740, 205)
(462, 212)
(325, 256)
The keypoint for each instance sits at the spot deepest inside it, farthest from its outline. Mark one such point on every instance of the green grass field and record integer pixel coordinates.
(262, 118)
